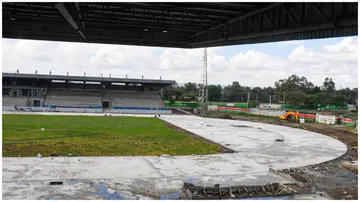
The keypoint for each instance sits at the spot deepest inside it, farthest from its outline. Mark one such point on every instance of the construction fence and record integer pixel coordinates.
(308, 117)
(261, 106)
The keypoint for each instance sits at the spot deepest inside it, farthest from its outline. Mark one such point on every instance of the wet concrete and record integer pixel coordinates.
(150, 176)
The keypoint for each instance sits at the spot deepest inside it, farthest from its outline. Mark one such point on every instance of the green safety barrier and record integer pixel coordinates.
(242, 105)
(195, 104)
(245, 105)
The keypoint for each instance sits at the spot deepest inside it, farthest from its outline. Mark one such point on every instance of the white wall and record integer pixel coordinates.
(267, 112)
(328, 119)
(88, 110)
(270, 106)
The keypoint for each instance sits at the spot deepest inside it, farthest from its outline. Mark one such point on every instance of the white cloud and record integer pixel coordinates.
(252, 68)
(290, 42)
(255, 60)
(348, 45)
(339, 61)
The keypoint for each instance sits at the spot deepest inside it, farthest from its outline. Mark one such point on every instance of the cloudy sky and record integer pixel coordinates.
(251, 65)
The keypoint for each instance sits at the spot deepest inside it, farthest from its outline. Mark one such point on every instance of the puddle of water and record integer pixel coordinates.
(191, 180)
(114, 196)
(100, 190)
(103, 190)
(21, 182)
(170, 196)
(72, 182)
(54, 198)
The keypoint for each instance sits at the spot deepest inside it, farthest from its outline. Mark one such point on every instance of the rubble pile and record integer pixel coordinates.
(236, 192)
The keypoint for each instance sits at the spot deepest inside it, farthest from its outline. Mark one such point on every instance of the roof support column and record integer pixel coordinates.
(65, 10)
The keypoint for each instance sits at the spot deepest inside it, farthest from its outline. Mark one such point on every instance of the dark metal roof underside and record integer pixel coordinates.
(89, 79)
(182, 25)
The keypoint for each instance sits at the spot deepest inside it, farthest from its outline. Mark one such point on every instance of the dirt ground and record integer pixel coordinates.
(327, 177)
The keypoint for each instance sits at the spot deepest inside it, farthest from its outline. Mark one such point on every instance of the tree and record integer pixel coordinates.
(294, 83)
(338, 101)
(315, 90)
(214, 93)
(296, 97)
(190, 87)
(329, 86)
(349, 94)
(320, 99)
(169, 92)
(232, 93)
(329, 90)
(298, 91)
(310, 100)
(188, 96)
(172, 101)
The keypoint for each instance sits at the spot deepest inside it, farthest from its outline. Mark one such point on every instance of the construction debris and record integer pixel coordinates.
(352, 166)
(236, 192)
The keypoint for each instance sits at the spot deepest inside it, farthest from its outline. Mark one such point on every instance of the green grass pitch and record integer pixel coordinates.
(96, 136)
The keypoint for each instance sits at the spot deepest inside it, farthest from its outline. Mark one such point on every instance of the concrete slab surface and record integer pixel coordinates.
(150, 176)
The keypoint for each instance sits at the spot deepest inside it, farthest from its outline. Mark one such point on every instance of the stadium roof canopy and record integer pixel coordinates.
(182, 25)
(87, 79)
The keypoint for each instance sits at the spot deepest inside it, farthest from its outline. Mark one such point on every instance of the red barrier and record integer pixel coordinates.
(233, 109)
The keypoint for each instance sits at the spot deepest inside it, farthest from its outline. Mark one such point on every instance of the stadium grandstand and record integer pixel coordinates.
(58, 93)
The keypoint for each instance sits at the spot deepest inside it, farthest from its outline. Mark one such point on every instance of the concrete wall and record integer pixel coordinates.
(130, 111)
(320, 118)
(267, 112)
(31, 100)
(88, 110)
(270, 106)
(328, 119)
(212, 107)
(351, 107)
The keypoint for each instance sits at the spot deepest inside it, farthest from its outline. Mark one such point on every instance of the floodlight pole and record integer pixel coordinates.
(204, 89)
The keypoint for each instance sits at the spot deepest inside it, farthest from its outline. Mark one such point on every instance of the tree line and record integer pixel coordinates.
(293, 90)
